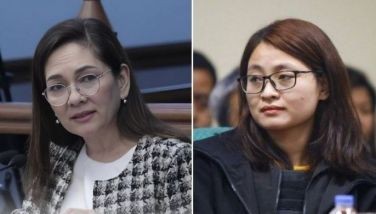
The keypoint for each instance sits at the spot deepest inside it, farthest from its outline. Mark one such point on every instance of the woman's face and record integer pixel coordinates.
(282, 110)
(363, 106)
(74, 65)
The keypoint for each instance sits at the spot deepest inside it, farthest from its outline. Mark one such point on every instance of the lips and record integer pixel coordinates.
(83, 116)
(271, 109)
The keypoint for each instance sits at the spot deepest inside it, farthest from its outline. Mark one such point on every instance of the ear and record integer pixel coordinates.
(324, 88)
(124, 81)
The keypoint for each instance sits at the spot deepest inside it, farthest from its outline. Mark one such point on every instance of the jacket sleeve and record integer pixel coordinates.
(179, 181)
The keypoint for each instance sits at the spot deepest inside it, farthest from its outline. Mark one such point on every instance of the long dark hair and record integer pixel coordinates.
(336, 138)
(133, 119)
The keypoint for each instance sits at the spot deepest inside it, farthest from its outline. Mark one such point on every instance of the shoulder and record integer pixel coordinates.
(216, 146)
(63, 155)
(167, 147)
(57, 150)
(221, 152)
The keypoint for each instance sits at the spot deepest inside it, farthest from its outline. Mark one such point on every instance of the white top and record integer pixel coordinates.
(85, 172)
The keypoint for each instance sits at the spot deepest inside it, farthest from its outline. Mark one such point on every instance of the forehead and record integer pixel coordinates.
(70, 57)
(267, 57)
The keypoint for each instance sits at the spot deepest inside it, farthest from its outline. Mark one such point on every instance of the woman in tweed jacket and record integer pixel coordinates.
(87, 108)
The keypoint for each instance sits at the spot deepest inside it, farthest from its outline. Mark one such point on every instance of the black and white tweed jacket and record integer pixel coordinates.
(157, 180)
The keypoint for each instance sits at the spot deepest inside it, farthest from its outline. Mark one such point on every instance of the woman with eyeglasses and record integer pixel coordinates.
(298, 143)
(95, 146)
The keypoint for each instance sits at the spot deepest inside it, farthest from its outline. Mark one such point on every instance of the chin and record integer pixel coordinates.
(275, 125)
(84, 131)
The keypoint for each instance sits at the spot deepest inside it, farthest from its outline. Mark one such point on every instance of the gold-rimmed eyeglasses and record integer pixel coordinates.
(86, 85)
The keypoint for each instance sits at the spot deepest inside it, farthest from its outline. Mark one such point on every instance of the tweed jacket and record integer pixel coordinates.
(156, 180)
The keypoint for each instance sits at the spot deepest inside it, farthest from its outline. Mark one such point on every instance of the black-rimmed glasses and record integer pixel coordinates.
(282, 80)
(86, 85)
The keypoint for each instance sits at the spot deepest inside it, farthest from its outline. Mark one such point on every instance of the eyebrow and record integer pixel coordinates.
(77, 72)
(255, 67)
(284, 66)
(278, 67)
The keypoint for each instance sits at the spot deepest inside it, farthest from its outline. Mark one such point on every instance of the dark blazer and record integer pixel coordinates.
(224, 182)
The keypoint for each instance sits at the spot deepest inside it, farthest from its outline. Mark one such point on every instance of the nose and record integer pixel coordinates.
(269, 92)
(74, 96)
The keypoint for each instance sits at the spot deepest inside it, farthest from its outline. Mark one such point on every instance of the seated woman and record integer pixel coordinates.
(298, 143)
(95, 146)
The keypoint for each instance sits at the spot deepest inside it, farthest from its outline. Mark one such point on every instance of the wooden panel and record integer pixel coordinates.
(15, 118)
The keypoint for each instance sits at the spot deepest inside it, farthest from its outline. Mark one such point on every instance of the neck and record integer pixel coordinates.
(107, 145)
(294, 142)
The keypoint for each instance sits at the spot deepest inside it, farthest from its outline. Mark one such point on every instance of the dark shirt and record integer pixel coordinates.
(292, 189)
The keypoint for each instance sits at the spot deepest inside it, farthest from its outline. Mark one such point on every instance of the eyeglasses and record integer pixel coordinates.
(282, 80)
(86, 85)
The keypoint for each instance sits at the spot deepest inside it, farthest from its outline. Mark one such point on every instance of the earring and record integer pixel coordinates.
(57, 121)
(124, 100)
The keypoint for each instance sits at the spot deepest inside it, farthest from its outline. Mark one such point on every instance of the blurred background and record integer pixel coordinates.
(157, 35)
(222, 28)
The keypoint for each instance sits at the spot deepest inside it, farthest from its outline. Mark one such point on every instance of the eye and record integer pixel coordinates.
(286, 76)
(255, 79)
(55, 88)
(87, 78)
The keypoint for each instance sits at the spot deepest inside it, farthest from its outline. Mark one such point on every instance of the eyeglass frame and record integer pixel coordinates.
(68, 88)
(268, 77)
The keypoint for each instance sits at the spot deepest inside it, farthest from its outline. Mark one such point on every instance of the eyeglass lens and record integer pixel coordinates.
(280, 81)
(86, 85)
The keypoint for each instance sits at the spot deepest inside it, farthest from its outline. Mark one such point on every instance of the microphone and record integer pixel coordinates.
(17, 161)
(6, 156)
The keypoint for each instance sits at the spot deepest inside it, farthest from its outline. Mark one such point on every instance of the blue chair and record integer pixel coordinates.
(202, 133)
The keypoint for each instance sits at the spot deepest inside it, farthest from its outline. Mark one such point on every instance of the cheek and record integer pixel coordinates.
(108, 91)
(108, 98)
(304, 104)
(60, 112)
(252, 104)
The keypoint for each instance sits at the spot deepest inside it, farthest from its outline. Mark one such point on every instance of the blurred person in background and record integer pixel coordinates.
(363, 96)
(204, 80)
(224, 101)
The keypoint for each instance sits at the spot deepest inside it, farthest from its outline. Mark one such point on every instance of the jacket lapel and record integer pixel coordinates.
(63, 162)
(238, 172)
(241, 177)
